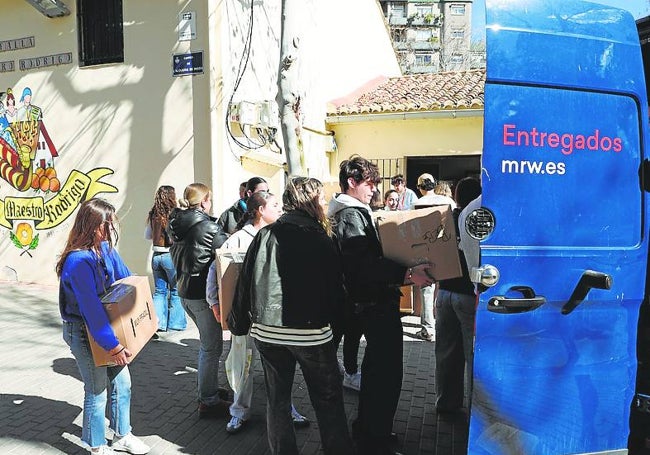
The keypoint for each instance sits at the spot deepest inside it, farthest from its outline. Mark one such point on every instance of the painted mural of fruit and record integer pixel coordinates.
(55, 185)
(24, 238)
(44, 183)
(45, 179)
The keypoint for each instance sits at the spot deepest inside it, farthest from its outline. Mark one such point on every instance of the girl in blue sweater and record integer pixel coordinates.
(87, 267)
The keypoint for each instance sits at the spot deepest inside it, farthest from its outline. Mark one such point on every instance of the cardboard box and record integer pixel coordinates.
(229, 262)
(412, 237)
(406, 300)
(129, 306)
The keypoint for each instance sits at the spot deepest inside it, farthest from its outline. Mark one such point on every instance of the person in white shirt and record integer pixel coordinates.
(406, 195)
(426, 186)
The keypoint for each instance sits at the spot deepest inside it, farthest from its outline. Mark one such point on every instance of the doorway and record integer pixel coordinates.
(446, 168)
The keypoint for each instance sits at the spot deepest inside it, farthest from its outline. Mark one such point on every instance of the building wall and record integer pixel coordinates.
(120, 131)
(374, 138)
(451, 45)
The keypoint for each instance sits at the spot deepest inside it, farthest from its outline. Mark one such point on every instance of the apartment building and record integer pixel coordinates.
(430, 36)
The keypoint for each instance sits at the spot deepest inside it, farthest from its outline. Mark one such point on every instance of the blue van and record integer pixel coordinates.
(563, 230)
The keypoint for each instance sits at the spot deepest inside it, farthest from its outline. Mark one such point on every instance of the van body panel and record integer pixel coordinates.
(565, 110)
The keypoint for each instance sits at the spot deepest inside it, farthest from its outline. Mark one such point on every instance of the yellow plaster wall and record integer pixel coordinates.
(374, 138)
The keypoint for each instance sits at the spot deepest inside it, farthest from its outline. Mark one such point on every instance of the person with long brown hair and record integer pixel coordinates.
(195, 235)
(292, 286)
(87, 267)
(166, 301)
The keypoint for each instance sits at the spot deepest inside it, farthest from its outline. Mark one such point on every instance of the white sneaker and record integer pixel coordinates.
(101, 450)
(352, 381)
(129, 443)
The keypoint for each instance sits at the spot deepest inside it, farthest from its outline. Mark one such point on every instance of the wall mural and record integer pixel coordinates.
(27, 164)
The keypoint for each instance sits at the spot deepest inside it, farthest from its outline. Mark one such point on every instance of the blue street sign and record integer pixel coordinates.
(187, 64)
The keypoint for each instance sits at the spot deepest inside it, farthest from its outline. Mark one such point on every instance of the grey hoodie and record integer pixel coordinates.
(341, 201)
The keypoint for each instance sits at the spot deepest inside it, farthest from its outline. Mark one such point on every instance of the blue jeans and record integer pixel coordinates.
(320, 370)
(165, 295)
(455, 314)
(97, 380)
(211, 338)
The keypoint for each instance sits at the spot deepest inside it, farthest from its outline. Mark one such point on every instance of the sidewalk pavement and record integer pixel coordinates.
(41, 393)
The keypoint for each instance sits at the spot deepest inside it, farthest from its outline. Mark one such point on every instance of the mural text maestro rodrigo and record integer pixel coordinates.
(20, 208)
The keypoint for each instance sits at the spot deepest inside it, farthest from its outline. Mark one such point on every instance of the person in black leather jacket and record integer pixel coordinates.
(195, 236)
(372, 283)
(291, 287)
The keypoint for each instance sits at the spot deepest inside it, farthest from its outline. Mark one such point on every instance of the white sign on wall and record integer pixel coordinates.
(187, 26)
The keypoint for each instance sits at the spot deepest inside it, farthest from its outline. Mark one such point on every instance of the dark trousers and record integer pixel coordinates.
(321, 373)
(351, 332)
(381, 377)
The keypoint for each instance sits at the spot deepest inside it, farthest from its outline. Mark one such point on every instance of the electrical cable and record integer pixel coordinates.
(243, 63)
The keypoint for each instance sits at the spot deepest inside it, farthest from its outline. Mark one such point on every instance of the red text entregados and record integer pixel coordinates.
(566, 142)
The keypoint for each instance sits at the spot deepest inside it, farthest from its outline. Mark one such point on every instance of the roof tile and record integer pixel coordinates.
(416, 92)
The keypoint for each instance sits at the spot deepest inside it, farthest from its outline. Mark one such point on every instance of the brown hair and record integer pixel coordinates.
(193, 195)
(443, 189)
(92, 215)
(253, 204)
(163, 203)
(360, 169)
(303, 193)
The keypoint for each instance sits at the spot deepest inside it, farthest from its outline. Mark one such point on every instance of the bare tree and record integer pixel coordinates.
(288, 98)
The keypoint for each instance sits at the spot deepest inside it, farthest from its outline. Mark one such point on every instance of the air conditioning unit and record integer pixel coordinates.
(245, 113)
(269, 114)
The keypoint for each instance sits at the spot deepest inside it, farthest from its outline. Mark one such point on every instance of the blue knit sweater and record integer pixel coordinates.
(84, 278)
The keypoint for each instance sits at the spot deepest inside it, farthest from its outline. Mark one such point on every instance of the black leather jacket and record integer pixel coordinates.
(230, 217)
(291, 277)
(195, 235)
(370, 278)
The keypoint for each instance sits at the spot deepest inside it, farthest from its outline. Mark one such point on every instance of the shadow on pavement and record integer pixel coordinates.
(31, 419)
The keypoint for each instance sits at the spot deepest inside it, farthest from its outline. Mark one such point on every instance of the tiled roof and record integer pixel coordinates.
(416, 92)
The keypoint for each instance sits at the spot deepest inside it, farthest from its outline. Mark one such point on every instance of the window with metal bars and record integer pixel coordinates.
(100, 32)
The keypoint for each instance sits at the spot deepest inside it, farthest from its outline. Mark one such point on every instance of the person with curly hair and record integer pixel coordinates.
(166, 301)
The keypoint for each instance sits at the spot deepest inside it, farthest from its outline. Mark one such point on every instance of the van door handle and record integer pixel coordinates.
(507, 305)
(589, 279)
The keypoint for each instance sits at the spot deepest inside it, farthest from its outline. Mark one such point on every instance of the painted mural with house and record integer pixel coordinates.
(27, 166)
(131, 100)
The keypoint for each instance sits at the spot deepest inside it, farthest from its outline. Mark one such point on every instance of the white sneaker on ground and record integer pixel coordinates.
(352, 381)
(101, 450)
(131, 444)
(299, 420)
(234, 425)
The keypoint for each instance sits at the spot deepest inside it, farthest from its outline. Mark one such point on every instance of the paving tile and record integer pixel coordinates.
(42, 394)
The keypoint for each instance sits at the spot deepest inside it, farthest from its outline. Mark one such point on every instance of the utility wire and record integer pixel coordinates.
(243, 63)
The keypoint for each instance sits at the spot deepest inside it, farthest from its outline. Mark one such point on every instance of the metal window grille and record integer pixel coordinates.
(100, 32)
(389, 167)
